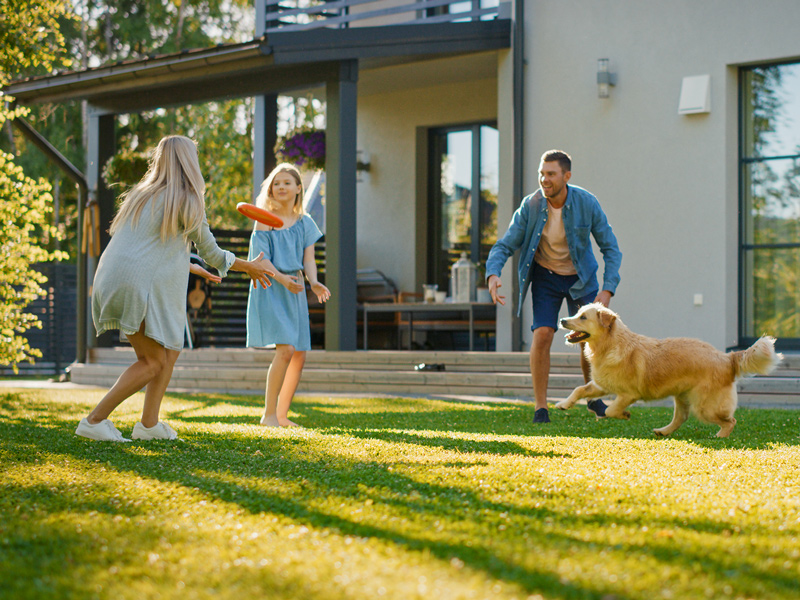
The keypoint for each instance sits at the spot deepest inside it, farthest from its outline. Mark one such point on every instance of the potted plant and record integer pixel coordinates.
(303, 147)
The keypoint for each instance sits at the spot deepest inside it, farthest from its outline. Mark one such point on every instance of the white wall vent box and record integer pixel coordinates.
(695, 95)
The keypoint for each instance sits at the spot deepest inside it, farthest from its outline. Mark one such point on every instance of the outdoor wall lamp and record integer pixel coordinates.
(363, 165)
(605, 79)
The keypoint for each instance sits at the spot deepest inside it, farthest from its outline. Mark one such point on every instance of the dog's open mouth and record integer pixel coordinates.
(577, 336)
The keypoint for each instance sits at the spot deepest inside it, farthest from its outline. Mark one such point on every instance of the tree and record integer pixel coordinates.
(25, 205)
(30, 40)
(101, 32)
(223, 132)
(132, 29)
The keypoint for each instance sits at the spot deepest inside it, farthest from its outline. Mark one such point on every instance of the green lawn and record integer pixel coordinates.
(394, 498)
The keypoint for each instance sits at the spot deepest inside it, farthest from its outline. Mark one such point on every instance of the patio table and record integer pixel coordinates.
(410, 308)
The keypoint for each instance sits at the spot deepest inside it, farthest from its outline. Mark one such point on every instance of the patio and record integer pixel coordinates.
(474, 374)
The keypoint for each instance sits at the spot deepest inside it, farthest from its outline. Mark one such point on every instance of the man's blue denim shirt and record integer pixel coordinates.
(582, 215)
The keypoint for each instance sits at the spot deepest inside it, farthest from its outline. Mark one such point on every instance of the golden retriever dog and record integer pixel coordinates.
(635, 367)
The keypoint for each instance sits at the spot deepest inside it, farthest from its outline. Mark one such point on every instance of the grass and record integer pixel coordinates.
(394, 498)
(27, 377)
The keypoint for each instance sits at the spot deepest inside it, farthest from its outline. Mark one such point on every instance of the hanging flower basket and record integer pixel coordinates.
(304, 148)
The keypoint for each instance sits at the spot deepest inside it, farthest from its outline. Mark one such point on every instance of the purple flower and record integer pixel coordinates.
(303, 147)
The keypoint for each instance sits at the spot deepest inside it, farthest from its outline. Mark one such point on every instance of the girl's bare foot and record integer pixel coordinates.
(270, 421)
(275, 421)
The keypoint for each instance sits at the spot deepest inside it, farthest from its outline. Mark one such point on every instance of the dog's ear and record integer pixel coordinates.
(607, 318)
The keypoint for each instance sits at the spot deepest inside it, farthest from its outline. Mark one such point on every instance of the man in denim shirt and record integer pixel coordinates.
(551, 228)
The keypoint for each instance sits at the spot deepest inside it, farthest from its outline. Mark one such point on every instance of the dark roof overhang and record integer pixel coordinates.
(275, 63)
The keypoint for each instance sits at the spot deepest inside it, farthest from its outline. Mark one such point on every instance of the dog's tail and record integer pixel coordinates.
(758, 359)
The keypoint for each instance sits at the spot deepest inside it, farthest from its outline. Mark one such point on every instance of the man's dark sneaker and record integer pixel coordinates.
(541, 416)
(598, 407)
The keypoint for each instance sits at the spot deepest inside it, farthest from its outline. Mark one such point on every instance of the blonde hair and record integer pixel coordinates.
(264, 198)
(175, 171)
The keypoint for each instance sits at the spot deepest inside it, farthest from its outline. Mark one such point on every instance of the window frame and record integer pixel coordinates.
(744, 248)
(434, 194)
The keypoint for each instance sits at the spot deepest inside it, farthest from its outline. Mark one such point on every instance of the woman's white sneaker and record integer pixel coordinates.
(104, 431)
(159, 431)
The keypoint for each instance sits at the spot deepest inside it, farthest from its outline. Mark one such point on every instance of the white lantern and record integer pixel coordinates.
(463, 280)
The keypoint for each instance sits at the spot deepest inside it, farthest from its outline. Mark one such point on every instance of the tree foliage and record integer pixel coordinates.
(102, 32)
(126, 168)
(29, 40)
(114, 30)
(25, 205)
(134, 29)
(36, 37)
(223, 132)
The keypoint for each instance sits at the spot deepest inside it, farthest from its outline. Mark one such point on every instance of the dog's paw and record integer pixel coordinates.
(563, 405)
(623, 414)
(660, 433)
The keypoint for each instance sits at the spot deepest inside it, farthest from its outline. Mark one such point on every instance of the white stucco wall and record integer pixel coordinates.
(668, 183)
(387, 127)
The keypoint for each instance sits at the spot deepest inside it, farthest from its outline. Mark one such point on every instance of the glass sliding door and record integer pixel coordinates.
(770, 206)
(464, 168)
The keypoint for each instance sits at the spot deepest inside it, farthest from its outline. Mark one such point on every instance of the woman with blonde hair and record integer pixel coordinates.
(142, 277)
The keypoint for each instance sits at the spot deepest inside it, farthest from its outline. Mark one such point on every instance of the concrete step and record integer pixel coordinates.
(244, 370)
(789, 367)
(384, 359)
(493, 374)
(769, 385)
(250, 379)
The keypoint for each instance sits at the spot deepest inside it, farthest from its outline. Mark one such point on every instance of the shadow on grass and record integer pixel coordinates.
(55, 558)
(444, 442)
(333, 477)
(211, 401)
(756, 428)
(222, 468)
(44, 566)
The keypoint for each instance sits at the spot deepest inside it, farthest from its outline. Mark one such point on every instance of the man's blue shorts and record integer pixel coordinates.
(548, 292)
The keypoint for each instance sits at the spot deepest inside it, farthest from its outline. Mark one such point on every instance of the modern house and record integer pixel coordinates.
(693, 154)
(682, 117)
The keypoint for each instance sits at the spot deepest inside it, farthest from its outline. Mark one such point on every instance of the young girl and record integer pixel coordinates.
(141, 280)
(280, 315)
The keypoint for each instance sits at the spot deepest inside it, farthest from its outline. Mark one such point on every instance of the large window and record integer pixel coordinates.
(465, 168)
(770, 215)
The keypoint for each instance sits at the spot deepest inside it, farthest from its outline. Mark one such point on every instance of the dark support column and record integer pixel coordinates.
(518, 47)
(340, 208)
(265, 135)
(475, 206)
(422, 211)
(261, 18)
(100, 147)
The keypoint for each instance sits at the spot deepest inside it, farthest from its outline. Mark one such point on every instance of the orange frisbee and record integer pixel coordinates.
(252, 211)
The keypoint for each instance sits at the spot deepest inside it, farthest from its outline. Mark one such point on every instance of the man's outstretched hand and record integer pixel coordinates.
(495, 284)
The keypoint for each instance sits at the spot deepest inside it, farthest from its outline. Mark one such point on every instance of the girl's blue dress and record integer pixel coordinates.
(275, 315)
